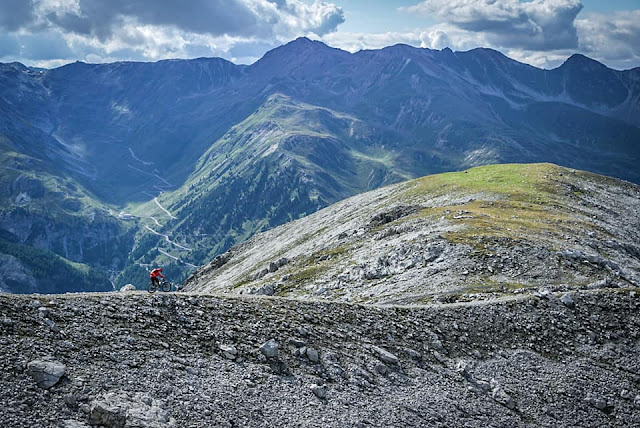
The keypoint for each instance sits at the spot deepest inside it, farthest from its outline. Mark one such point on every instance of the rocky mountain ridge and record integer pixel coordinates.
(484, 232)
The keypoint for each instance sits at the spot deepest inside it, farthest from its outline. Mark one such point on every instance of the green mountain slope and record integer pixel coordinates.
(285, 161)
(455, 236)
(205, 152)
(56, 236)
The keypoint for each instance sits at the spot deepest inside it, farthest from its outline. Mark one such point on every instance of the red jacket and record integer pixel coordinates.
(156, 273)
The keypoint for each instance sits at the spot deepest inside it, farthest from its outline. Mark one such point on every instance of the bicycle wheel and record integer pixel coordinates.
(152, 287)
(166, 286)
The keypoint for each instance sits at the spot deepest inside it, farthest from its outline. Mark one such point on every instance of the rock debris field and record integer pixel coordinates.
(190, 360)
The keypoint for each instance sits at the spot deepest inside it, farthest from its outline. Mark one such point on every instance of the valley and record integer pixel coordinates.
(204, 153)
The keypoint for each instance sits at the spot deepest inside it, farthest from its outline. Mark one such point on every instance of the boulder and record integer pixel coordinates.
(319, 391)
(270, 348)
(119, 410)
(385, 355)
(128, 287)
(567, 300)
(312, 355)
(46, 373)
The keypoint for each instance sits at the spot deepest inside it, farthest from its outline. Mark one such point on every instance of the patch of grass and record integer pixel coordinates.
(504, 219)
(331, 252)
(523, 202)
(304, 275)
(523, 182)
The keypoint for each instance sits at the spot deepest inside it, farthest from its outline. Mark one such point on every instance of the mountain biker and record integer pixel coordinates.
(154, 274)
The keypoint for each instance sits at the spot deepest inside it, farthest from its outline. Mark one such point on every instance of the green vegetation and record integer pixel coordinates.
(514, 201)
(55, 274)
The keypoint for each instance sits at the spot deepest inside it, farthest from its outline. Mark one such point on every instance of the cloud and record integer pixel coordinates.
(15, 13)
(154, 29)
(538, 24)
(613, 37)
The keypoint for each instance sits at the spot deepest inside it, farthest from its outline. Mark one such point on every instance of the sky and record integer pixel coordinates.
(543, 33)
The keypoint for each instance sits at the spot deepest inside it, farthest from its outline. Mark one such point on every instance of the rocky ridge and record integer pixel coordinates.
(187, 360)
(481, 233)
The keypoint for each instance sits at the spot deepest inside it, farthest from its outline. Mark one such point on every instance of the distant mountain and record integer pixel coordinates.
(184, 158)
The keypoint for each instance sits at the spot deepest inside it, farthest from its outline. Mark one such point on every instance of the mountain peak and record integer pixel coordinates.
(302, 44)
(579, 60)
(299, 51)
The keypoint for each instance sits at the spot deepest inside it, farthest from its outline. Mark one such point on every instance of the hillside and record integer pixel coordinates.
(178, 360)
(480, 233)
(168, 151)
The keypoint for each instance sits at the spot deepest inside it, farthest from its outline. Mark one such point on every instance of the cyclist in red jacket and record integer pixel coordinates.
(157, 272)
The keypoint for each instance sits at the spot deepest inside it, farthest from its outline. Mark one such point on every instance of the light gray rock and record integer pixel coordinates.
(119, 410)
(319, 391)
(501, 396)
(270, 348)
(46, 373)
(385, 355)
(128, 287)
(313, 355)
(567, 300)
(69, 423)
(229, 351)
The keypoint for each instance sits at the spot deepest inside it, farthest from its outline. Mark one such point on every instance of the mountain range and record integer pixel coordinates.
(109, 169)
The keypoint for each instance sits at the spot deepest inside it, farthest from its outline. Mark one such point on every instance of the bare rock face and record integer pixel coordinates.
(46, 373)
(120, 410)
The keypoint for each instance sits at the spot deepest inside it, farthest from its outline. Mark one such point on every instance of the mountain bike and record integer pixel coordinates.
(164, 285)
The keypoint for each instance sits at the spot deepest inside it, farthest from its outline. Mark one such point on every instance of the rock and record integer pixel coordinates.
(382, 369)
(229, 351)
(413, 354)
(70, 400)
(107, 414)
(119, 410)
(319, 391)
(270, 348)
(597, 401)
(46, 373)
(312, 355)
(43, 312)
(501, 396)
(567, 300)
(296, 342)
(267, 290)
(128, 287)
(69, 423)
(384, 355)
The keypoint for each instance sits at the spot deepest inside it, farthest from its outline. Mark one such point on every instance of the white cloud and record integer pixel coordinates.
(538, 24)
(613, 38)
(97, 30)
